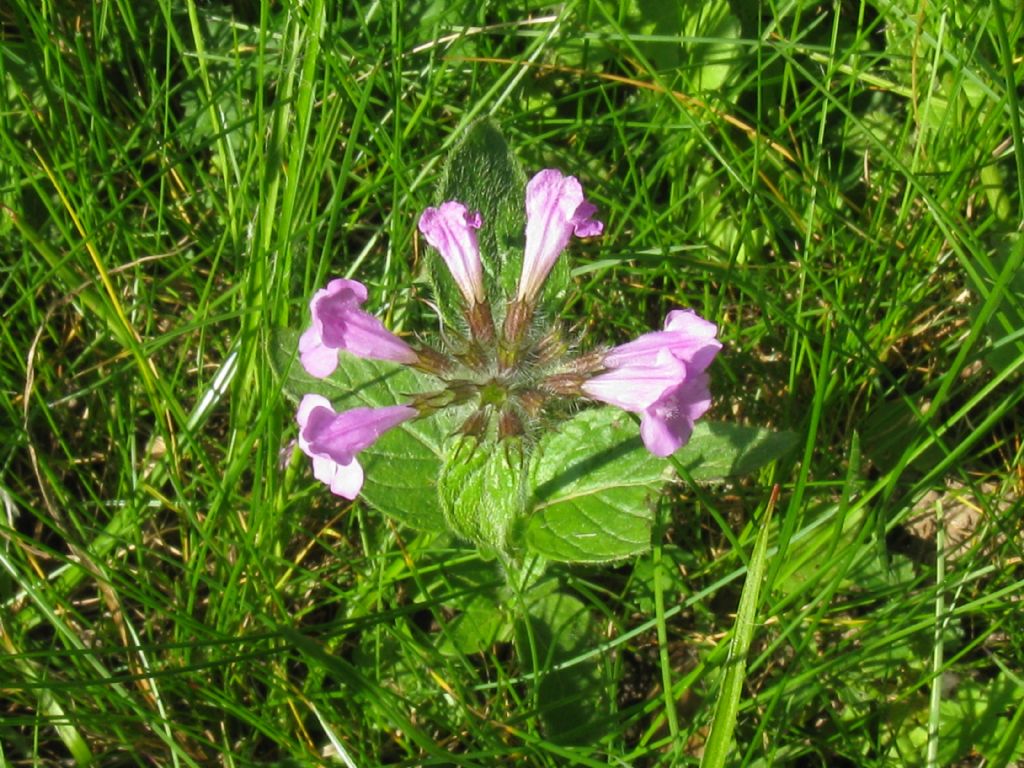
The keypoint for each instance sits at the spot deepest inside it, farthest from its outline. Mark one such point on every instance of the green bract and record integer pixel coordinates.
(482, 490)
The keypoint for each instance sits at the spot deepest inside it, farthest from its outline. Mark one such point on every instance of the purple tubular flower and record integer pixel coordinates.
(451, 229)
(661, 376)
(339, 323)
(687, 336)
(635, 387)
(555, 210)
(333, 439)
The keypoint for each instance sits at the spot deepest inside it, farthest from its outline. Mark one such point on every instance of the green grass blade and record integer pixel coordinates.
(723, 726)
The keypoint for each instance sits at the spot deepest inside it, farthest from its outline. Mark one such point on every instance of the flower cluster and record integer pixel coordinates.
(512, 368)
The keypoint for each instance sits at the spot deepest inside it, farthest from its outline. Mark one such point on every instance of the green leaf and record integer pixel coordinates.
(975, 719)
(480, 625)
(484, 174)
(403, 465)
(559, 631)
(475, 593)
(591, 480)
(695, 39)
(718, 450)
(590, 483)
(716, 57)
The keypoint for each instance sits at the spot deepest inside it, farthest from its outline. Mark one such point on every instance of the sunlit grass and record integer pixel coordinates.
(839, 188)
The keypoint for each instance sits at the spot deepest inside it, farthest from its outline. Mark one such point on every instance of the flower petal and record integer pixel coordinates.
(451, 229)
(660, 438)
(689, 337)
(317, 358)
(667, 424)
(637, 387)
(701, 343)
(583, 223)
(555, 210)
(365, 336)
(689, 323)
(309, 404)
(336, 298)
(345, 480)
(345, 434)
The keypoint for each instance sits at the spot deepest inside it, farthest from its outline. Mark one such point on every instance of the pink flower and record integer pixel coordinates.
(333, 439)
(555, 210)
(661, 376)
(687, 336)
(339, 323)
(635, 387)
(451, 229)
